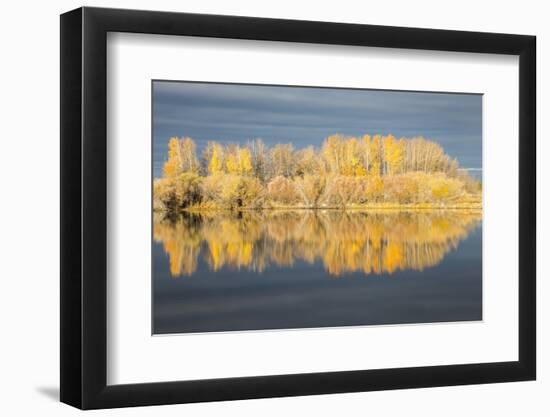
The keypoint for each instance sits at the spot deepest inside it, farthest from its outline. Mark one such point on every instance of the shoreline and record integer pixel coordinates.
(373, 208)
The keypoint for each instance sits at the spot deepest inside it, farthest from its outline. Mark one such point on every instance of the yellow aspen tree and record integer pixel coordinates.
(308, 162)
(393, 155)
(172, 167)
(215, 165)
(348, 162)
(260, 158)
(231, 164)
(244, 160)
(352, 163)
(188, 158)
(181, 157)
(402, 145)
(332, 153)
(231, 159)
(375, 151)
(365, 150)
(357, 158)
(282, 160)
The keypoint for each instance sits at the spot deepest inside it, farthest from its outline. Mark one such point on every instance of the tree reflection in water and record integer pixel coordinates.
(344, 241)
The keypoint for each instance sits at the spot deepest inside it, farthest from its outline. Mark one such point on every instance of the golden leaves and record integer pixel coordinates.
(181, 157)
(345, 172)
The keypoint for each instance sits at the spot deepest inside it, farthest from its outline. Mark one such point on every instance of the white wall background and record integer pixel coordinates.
(29, 219)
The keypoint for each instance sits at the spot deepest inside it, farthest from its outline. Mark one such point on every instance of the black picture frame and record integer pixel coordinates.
(84, 207)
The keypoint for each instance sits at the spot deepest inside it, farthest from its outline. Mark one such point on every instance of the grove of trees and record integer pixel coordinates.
(344, 172)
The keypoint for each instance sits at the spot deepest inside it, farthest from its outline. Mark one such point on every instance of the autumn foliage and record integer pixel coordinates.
(344, 172)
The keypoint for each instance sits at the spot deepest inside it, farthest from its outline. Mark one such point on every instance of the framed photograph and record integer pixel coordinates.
(258, 208)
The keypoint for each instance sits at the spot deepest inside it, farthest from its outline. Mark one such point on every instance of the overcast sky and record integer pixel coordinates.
(237, 113)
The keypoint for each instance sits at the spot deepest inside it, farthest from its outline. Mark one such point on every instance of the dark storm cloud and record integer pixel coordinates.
(305, 116)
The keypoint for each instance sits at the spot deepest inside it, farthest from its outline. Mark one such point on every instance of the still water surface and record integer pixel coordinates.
(226, 271)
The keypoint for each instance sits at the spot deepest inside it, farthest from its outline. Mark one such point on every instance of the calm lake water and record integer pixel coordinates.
(224, 271)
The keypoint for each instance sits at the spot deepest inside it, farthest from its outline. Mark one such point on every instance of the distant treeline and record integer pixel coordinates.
(344, 172)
